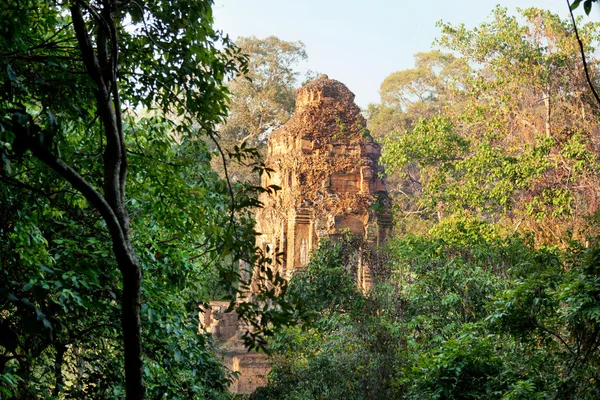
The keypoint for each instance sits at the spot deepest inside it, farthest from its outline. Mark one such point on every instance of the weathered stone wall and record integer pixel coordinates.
(227, 330)
(327, 167)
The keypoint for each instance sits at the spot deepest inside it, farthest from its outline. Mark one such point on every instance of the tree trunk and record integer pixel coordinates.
(118, 227)
(131, 325)
(58, 362)
(101, 63)
(548, 113)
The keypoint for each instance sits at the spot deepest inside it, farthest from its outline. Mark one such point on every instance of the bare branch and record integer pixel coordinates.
(585, 66)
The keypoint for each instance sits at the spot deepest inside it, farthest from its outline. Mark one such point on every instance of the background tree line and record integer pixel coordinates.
(500, 124)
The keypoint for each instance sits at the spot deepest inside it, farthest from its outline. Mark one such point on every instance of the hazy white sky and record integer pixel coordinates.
(361, 42)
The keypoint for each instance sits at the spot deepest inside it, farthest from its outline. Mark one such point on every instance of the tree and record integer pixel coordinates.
(345, 347)
(59, 286)
(263, 98)
(525, 161)
(467, 312)
(420, 92)
(432, 87)
(74, 70)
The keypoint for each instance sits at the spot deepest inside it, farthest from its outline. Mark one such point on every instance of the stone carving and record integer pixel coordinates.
(327, 167)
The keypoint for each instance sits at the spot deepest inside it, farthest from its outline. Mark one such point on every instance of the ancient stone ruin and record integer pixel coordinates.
(326, 164)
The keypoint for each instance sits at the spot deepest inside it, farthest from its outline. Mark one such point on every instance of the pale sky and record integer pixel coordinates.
(357, 42)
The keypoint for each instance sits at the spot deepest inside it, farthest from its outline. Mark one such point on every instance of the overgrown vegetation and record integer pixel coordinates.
(500, 124)
(113, 226)
(490, 290)
(464, 314)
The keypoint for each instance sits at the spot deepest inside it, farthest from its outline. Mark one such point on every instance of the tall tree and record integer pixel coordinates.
(73, 70)
(420, 92)
(263, 98)
(59, 286)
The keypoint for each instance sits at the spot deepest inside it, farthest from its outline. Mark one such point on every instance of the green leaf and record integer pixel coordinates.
(575, 4)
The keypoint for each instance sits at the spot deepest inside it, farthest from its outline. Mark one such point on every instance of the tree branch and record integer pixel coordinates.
(113, 152)
(548, 331)
(91, 195)
(581, 49)
(58, 362)
(89, 58)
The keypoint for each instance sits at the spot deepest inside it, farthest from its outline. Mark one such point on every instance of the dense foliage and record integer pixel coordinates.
(492, 147)
(500, 124)
(60, 290)
(465, 313)
(96, 98)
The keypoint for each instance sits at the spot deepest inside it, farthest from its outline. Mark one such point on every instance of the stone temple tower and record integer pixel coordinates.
(326, 164)
(327, 167)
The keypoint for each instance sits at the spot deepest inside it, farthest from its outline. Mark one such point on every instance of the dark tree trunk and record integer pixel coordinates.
(58, 362)
(131, 324)
(101, 64)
